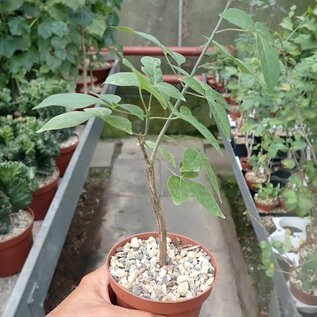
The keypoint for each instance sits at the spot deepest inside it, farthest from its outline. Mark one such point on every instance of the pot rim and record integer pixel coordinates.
(16, 239)
(154, 234)
(48, 186)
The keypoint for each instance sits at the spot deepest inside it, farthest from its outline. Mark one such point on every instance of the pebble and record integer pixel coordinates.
(182, 289)
(188, 272)
(135, 243)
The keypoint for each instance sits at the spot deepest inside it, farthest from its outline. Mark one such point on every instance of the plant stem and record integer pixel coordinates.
(232, 29)
(194, 70)
(149, 162)
(149, 167)
(84, 66)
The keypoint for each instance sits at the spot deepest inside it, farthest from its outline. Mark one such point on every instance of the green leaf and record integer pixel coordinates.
(120, 123)
(10, 44)
(73, 4)
(261, 28)
(53, 62)
(97, 26)
(10, 5)
(192, 82)
(289, 163)
(186, 115)
(179, 59)
(168, 155)
(275, 147)
(241, 64)
(211, 175)
(67, 120)
(45, 29)
(179, 189)
(60, 28)
(145, 84)
(152, 68)
(191, 161)
(269, 62)
(205, 198)
(133, 109)
(218, 106)
(68, 100)
(169, 90)
(18, 26)
(239, 18)
(99, 111)
(122, 79)
(110, 98)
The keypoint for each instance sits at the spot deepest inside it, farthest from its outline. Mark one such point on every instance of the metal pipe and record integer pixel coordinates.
(156, 51)
(180, 23)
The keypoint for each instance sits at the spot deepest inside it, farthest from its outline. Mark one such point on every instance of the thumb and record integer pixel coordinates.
(125, 312)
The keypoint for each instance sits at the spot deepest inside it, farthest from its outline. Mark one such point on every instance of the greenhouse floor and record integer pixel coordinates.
(127, 210)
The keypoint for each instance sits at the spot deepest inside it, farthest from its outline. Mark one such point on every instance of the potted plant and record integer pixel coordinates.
(168, 253)
(266, 198)
(16, 220)
(260, 171)
(303, 279)
(20, 142)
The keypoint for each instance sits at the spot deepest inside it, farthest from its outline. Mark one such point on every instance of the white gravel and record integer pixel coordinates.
(188, 272)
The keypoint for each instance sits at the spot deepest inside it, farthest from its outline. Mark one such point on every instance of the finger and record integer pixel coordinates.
(125, 312)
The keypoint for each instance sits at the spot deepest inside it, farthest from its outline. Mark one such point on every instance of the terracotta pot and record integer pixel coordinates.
(80, 83)
(215, 85)
(14, 252)
(182, 308)
(234, 114)
(244, 163)
(64, 157)
(264, 207)
(308, 299)
(102, 72)
(42, 198)
(250, 183)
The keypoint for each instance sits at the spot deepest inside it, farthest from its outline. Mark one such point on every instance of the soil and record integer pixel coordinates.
(69, 142)
(249, 243)
(70, 267)
(43, 181)
(20, 221)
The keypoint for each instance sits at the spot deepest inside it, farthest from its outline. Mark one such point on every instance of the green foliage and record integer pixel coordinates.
(267, 258)
(5, 210)
(49, 37)
(19, 141)
(268, 191)
(34, 91)
(16, 182)
(6, 105)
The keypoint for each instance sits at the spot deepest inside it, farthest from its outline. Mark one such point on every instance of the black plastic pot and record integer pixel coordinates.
(240, 150)
(280, 176)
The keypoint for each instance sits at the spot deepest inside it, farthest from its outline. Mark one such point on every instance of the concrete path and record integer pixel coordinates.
(127, 210)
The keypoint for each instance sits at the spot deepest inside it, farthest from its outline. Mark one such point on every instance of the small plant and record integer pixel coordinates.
(6, 105)
(33, 91)
(181, 184)
(305, 276)
(20, 142)
(16, 183)
(267, 192)
(298, 196)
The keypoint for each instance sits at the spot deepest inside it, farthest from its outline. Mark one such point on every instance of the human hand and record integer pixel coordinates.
(91, 299)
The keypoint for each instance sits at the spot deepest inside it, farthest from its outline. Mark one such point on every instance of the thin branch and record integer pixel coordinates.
(178, 102)
(232, 29)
